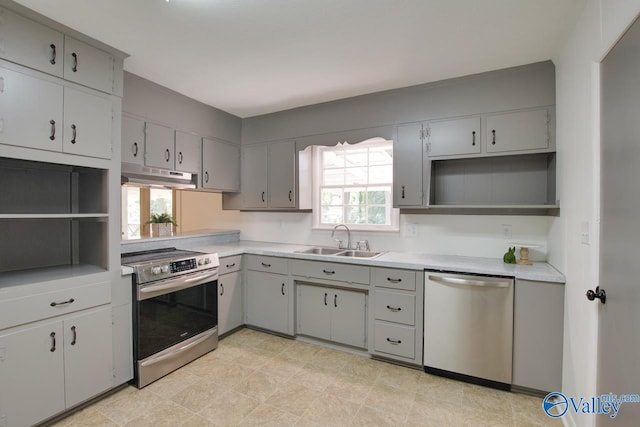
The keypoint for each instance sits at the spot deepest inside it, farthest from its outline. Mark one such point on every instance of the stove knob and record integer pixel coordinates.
(207, 261)
(155, 270)
(200, 261)
(165, 268)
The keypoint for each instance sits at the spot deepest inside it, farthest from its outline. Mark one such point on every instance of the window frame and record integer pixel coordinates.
(317, 173)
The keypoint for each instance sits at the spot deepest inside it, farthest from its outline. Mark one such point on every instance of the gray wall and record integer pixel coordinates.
(158, 104)
(526, 86)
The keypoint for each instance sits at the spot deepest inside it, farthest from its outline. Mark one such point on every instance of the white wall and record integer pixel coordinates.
(577, 140)
(470, 235)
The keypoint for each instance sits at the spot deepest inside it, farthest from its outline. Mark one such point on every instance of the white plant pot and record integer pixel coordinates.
(161, 229)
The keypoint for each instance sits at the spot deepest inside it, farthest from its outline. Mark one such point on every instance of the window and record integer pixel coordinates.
(353, 185)
(138, 204)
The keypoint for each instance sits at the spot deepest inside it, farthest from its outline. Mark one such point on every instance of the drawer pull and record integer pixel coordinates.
(221, 289)
(167, 155)
(75, 335)
(231, 265)
(53, 342)
(394, 342)
(180, 157)
(264, 264)
(335, 300)
(206, 176)
(282, 289)
(134, 149)
(329, 272)
(53, 130)
(395, 309)
(493, 140)
(74, 134)
(69, 301)
(389, 279)
(325, 298)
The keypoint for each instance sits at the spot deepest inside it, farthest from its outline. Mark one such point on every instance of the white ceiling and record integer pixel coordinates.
(250, 57)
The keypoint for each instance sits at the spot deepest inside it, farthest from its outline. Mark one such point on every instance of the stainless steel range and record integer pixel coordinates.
(175, 310)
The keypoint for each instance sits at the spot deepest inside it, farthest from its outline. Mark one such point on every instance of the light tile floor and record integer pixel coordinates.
(254, 378)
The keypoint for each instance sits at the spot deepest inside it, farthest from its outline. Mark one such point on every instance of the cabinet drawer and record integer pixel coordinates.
(230, 264)
(395, 307)
(35, 307)
(268, 263)
(395, 339)
(394, 278)
(331, 271)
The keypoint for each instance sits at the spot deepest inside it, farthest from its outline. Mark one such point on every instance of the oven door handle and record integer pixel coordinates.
(177, 351)
(175, 285)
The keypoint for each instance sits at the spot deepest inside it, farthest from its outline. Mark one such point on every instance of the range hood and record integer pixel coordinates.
(143, 176)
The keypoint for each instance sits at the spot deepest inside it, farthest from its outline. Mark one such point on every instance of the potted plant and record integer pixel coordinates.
(161, 224)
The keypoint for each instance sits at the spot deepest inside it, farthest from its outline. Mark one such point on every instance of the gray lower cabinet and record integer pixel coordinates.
(54, 365)
(538, 335)
(230, 294)
(398, 324)
(269, 295)
(331, 314)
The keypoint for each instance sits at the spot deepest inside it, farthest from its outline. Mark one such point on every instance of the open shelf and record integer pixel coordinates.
(53, 216)
(35, 275)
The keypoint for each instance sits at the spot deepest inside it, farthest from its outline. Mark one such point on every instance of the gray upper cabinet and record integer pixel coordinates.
(407, 166)
(159, 146)
(88, 121)
(282, 175)
(220, 165)
(518, 131)
(30, 111)
(454, 137)
(132, 141)
(30, 44)
(87, 65)
(254, 176)
(187, 152)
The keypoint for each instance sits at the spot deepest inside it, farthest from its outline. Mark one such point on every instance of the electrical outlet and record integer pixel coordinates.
(411, 230)
(506, 231)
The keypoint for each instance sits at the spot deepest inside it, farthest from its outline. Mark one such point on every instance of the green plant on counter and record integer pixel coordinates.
(162, 218)
(510, 256)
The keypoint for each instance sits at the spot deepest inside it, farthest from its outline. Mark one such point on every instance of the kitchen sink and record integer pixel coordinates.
(320, 251)
(339, 252)
(359, 254)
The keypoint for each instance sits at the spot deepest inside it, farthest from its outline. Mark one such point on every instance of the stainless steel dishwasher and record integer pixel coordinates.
(468, 327)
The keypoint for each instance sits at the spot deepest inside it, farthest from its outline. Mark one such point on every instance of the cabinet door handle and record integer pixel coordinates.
(394, 309)
(69, 301)
(263, 197)
(403, 191)
(75, 335)
(394, 342)
(493, 141)
(264, 264)
(53, 54)
(282, 289)
(325, 298)
(75, 62)
(221, 289)
(389, 279)
(473, 138)
(335, 300)
(290, 195)
(206, 176)
(329, 272)
(53, 342)
(53, 130)
(231, 265)
(167, 155)
(74, 134)
(180, 157)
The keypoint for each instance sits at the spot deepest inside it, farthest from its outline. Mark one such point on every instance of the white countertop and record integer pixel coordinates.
(539, 271)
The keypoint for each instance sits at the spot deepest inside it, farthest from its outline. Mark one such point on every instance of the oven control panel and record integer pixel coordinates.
(169, 268)
(183, 265)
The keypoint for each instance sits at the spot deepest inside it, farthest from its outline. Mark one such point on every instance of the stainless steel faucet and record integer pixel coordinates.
(333, 232)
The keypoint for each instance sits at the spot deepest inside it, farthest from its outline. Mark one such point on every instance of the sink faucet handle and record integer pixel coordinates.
(339, 243)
